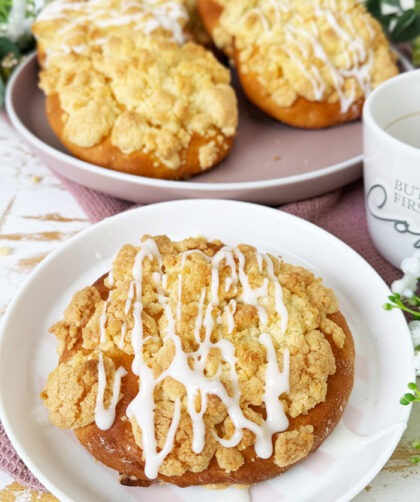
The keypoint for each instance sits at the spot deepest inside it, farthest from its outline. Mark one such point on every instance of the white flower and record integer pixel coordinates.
(17, 24)
(20, 18)
(411, 266)
(405, 286)
(388, 8)
(400, 286)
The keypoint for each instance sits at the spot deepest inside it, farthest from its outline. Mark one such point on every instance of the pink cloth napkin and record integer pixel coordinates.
(341, 213)
(11, 463)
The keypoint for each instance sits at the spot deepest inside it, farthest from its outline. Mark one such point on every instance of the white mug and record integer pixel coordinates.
(391, 156)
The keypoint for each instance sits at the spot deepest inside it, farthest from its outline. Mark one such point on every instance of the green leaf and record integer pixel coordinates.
(412, 386)
(5, 8)
(415, 460)
(401, 25)
(8, 47)
(414, 301)
(30, 8)
(407, 26)
(25, 43)
(394, 3)
(407, 399)
(374, 7)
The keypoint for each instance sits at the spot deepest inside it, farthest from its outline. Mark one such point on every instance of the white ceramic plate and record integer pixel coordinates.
(372, 423)
(271, 163)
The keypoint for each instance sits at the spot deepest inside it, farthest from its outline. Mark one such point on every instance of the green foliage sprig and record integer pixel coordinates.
(408, 398)
(405, 297)
(411, 397)
(5, 8)
(408, 305)
(401, 24)
(416, 458)
(10, 57)
(15, 37)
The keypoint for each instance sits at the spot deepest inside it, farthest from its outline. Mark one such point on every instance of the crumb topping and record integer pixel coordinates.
(72, 25)
(178, 288)
(122, 70)
(321, 50)
(293, 446)
(72, 389)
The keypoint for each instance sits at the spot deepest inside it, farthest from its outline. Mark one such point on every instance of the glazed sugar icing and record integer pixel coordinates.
(188, 368)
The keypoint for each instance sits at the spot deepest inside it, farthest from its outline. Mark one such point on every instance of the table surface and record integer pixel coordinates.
(36, 215)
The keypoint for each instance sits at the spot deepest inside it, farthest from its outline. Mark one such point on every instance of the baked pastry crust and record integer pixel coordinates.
(302, 62)
(106, 154)
(137, 95)
(173, 274)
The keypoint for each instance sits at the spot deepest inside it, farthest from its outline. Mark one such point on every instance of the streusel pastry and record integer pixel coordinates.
(307, 63)
(128, 89)
(196, 362)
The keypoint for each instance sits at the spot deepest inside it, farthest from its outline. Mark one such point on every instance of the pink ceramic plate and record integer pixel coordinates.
(271, 163)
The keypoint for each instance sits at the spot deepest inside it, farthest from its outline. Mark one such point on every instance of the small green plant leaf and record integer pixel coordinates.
(415, 460)
(406, 27)
(8, 47)
(407, 399)
(5, 8)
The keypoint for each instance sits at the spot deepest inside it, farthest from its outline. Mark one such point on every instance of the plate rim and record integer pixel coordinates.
(39, 270)
(194, 186)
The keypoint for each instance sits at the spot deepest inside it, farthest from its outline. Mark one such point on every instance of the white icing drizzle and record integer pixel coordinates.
(122, 336)
(260, 14)
(250, 295)
(358, 53)
(146, 16)
(278, 294)
(317, 83)
(230, 310)
(259, 258)
(199, 318)
(104, 417)
(281, 6)
(276, 8)
(129, 300)
(167, 17)
(156, 277)
(276, 383)
(189, 368)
